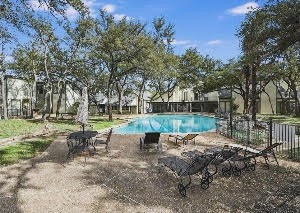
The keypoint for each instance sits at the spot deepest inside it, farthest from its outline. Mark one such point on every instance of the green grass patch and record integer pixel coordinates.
(103, 123)
(15, 127)
(285, 119)
(24, 150)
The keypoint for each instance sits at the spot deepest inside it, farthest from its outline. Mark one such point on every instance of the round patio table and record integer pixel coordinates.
(84, 137)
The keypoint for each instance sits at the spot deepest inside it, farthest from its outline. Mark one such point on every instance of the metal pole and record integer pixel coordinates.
(270, 131)
(248, 130)
(230, 116)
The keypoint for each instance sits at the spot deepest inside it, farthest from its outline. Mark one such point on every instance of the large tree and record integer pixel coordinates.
(116, 47)
(266, 34)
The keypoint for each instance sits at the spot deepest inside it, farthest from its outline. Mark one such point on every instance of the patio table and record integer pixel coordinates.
(84, 138)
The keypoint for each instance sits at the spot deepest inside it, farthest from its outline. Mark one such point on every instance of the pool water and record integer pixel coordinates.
(168, 124)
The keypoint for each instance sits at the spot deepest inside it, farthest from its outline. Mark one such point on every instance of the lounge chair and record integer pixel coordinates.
(251, 154)
(221, 155)
(185, 139)
(183, 168)
(151, 138)
(106, 142)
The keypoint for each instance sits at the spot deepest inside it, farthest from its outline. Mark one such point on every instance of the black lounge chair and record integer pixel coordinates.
(183, 168)
(223, 156)
(185, 139)
(151, 138)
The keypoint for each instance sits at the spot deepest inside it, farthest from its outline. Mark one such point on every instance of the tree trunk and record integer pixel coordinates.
(109, 107)
(140, 95)
(269, 98)
(60, 94)
(295, 95)
(139, 104)
(120, 97)
(253, 95)
(246, 100)
(44, 109)
(33, 97)
(50, 102)
(4, 98)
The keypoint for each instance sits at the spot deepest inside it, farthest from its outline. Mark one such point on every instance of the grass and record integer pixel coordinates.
(103, 123)
(285, 119)
(15, 127)
(24, 150)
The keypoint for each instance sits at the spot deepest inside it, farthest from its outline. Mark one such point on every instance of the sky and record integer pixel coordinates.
(208, 25)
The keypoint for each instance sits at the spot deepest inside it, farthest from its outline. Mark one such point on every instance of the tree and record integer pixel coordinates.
(290, 73)
(165, 78)
(266, 33)
(4, 39)
(199, 72)
(165, 75)
(116, 47)
(28, 64)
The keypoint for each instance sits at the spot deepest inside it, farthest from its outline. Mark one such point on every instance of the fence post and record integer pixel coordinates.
(248, 130)
(270, 131)
(230, 123)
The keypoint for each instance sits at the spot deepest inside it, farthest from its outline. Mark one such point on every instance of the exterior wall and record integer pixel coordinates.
(212, 96)
(239, 101)
(187, 95)
(178, 96)
(267, 102)
(71, 97)
(18, 90)
(224, 105)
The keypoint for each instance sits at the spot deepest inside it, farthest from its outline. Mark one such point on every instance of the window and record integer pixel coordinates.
(185, 96)
(196, 96)
(40, 89)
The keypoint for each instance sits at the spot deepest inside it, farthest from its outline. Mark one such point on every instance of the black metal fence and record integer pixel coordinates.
(17, 113)
(261, 133)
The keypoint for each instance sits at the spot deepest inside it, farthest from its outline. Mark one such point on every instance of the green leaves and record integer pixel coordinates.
(267, 32)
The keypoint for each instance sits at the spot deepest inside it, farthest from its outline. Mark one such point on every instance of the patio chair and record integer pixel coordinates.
(183, 168)
(251, 154)
(222, 159)
(185, 139)
(151, 138)
(106, 142)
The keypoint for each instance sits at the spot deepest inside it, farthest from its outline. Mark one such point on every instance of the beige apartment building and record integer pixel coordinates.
(276, 99)
(22, 98)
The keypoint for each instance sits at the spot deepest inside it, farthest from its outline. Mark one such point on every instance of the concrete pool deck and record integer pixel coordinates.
(126, 180)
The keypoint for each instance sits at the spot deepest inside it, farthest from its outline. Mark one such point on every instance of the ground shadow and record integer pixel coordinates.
(134, 182)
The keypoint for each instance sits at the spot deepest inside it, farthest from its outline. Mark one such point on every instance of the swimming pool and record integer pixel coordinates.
(168, 124)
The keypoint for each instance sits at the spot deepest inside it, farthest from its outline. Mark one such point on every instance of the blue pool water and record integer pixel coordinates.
(168, 124)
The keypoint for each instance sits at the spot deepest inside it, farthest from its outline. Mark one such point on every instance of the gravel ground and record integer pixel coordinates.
(126, 180)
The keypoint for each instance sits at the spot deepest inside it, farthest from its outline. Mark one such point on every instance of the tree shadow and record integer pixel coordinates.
(9, 197)
(134, 183)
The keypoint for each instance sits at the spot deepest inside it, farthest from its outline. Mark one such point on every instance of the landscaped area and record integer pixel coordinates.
(149, 106)
(127, 180)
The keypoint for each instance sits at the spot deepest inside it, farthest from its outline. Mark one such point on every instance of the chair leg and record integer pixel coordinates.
(142, 144)
(267, 161)
(182, 188)
(275, 158)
